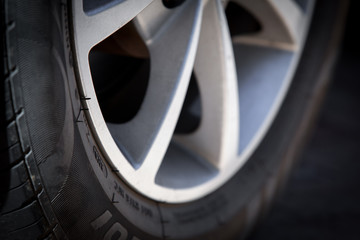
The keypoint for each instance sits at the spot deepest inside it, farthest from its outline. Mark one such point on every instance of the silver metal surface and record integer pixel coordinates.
(242, 82)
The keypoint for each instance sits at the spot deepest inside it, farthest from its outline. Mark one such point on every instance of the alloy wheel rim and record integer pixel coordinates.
(242, 80)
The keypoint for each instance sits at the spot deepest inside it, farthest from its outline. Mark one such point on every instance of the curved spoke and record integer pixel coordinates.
(283, 23)
(93, 29)
(89, 31)
(146, 137)
(216, 140)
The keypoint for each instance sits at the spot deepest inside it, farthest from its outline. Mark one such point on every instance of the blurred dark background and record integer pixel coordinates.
(322, 197)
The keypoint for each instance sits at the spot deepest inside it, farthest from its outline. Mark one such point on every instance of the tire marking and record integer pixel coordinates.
(123, 196)
(113, 199)
(100, 161)
(82, 98)
(78, 117)
(116, 228)
(101, 220)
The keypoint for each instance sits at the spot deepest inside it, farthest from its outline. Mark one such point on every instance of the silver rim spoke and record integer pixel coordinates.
(93, 29)
(283, 23)
(148, 135)
(89, 31)
(216, 75)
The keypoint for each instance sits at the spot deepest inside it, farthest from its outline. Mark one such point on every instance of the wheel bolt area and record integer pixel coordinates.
(172, 3)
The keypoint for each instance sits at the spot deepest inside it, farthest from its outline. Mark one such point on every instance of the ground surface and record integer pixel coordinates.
(322, 197)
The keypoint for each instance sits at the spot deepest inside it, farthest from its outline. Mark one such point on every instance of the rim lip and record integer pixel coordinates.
(110, 150)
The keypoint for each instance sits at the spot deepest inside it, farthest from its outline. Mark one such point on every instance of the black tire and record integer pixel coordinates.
(54, 181)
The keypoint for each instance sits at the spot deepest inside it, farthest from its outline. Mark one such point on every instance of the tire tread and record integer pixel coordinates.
(25, 210)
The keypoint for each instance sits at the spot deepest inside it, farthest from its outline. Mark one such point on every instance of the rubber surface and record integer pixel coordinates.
(25, 208)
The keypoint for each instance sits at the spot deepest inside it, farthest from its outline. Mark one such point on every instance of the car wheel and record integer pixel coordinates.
(155, 119)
